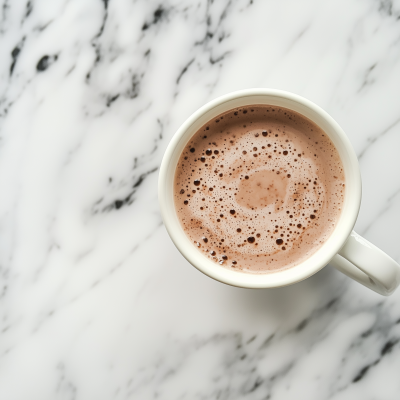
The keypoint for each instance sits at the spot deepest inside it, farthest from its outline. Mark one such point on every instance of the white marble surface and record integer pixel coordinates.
(95, 301)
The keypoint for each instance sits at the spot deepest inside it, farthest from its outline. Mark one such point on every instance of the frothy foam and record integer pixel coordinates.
(259, 188)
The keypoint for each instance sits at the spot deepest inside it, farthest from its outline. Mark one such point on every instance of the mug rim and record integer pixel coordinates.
(279, 278)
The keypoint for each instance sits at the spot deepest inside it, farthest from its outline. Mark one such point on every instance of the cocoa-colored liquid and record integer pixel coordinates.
(259, 188)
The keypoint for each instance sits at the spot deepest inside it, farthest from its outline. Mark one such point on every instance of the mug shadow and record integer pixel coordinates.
(294, 301)
(279, 306)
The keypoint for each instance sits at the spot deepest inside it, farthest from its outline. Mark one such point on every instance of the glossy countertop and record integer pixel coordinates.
(95, 300)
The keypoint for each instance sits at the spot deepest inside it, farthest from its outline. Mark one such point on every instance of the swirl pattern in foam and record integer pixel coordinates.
(259, 188)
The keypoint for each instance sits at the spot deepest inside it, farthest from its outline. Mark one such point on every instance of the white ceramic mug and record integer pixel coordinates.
(344, 249)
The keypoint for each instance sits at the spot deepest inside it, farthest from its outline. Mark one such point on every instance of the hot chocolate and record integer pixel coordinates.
(259, 188)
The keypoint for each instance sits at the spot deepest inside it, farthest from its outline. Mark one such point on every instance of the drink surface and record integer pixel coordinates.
(259, 188)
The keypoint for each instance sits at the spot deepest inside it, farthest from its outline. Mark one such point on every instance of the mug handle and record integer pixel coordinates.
(368, 265)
